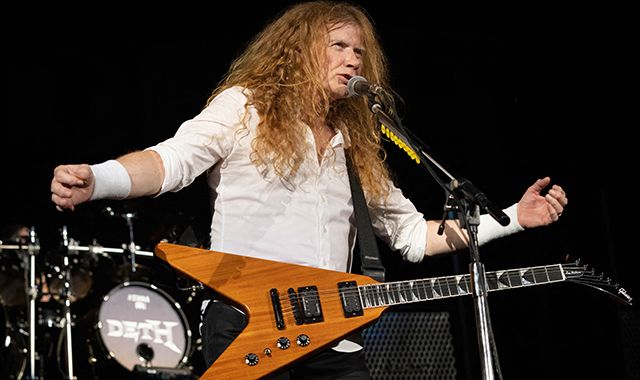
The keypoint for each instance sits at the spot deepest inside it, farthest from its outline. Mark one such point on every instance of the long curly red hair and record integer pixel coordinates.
(283, 70)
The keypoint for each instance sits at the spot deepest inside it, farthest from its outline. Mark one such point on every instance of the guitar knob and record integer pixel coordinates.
(303, 340)
(251, 359)
(283, 343)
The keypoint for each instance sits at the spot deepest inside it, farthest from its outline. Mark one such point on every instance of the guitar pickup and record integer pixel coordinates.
(351, 305)
(306, 305)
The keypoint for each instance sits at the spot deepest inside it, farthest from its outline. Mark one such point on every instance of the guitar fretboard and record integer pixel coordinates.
(402, 292)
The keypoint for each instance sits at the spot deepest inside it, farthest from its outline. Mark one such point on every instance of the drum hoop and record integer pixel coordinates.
(177, 307)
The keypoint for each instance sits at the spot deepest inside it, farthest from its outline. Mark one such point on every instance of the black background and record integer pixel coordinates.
(501, 108)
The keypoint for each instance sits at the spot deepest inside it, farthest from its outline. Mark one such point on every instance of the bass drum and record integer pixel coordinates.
(136, 324)
(13, 352)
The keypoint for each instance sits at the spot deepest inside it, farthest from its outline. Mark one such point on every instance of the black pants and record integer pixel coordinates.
(221, 323)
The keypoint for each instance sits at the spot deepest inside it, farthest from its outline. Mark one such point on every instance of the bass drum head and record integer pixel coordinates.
(139, 324)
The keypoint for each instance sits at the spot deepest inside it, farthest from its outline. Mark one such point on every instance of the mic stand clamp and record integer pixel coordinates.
(450, 212)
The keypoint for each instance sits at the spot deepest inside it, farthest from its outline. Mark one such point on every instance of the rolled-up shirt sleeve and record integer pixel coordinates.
(397, 222)
(202, 141)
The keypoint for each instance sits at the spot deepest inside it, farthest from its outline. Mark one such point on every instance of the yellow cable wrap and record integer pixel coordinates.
(396, 140)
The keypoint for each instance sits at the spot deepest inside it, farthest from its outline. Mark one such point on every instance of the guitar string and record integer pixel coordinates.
(397, 293)
(388, 287)
(380, 291)
(401, 289)
(449, 280)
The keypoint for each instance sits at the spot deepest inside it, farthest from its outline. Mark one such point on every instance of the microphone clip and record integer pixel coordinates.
(450, 212)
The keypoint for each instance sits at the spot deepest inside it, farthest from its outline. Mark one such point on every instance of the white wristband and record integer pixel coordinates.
(111, 181)
(489, 229)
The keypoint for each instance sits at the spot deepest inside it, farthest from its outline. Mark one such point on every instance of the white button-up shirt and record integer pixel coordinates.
(308, 220)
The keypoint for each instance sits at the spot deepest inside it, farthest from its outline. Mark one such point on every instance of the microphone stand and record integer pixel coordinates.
(467, 199)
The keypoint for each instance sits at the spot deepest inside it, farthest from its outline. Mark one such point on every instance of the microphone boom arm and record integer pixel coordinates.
(463, 188)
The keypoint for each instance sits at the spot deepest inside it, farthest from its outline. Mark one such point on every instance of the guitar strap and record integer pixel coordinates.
(370, 262)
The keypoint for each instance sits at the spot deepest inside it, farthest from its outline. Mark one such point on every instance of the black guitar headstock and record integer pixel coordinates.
(584, 275)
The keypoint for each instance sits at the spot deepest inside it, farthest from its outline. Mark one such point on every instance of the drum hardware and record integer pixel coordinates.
(13, 358)
(50, 318)
(70, 269)
(119, 270)
(97, 249)
(28, 253)
(131, 247)
(164, 373)
(66, 303)
(18, 359)
(22, 356)
(18, 247)
(32, 294)
(14, 270)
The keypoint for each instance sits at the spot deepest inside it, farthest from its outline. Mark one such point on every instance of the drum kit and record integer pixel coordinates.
(88, 312)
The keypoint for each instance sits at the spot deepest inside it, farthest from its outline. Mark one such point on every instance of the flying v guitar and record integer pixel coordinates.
(295, 310)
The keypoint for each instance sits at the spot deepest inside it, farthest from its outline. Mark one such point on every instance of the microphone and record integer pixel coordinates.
(359, 86)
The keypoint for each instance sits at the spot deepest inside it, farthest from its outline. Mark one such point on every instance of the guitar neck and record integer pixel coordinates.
(410, 291)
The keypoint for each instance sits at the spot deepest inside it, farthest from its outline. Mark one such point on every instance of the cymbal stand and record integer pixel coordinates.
(32, 294)
(132, 245)
(66, 305)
